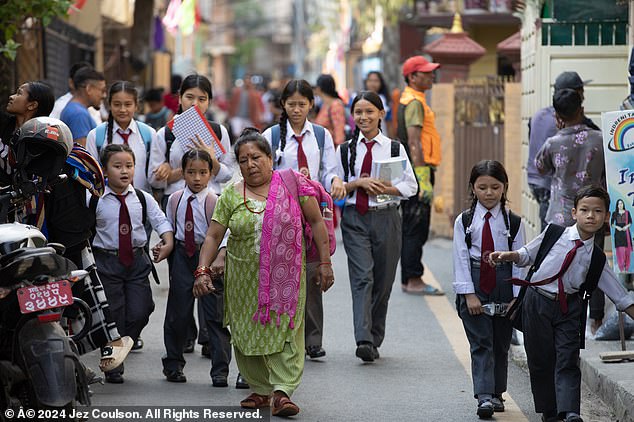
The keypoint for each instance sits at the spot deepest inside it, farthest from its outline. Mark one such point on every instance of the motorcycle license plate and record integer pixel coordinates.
(47, 296)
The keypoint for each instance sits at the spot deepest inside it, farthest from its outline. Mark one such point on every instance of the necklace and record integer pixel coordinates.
(244, 194)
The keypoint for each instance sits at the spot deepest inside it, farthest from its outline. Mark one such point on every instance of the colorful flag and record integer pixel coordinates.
(187, 20)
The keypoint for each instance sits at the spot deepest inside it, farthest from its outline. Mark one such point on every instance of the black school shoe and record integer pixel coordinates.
(174, 376)
(315, 352)
(219, 381)
(115, 378)
(365, 351)
(498, 403)
(573, 418)
(138, 344)
(241, 383)
(485, 409)
(189, 347)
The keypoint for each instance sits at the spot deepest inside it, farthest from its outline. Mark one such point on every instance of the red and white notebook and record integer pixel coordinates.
(190, 123)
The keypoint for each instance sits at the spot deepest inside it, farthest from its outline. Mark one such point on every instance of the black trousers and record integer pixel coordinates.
(415, 227)
(552, 342)
(179, 312)
(128, 291)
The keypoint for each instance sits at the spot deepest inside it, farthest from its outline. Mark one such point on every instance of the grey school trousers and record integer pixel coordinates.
(373, 245)
(314, 321)
(552, 342)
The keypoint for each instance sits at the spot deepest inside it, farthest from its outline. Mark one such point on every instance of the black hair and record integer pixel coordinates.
(593, 191)
(75, 67)
(111, 150)
(175, 83)
(383, 90)
(373, 98)
(195, 81)
(496, 170)
(251, 134)
(197, 154)
(294, 86)
(119, 86)
(153, 95)
(86, 75)
(616, 206)
(42, 93)
(326, 83)
(567, 103)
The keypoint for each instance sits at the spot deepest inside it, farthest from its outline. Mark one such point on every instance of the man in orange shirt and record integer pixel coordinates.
(417, 129)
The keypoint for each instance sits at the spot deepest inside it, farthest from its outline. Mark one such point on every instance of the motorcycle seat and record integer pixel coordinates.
(30, 263)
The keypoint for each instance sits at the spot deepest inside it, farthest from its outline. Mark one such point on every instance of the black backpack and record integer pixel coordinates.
(597, 262)
(170, 137)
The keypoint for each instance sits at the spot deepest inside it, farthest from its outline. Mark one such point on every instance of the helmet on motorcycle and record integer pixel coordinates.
(41, 147)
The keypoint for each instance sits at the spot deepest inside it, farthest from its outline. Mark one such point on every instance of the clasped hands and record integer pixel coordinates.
(371, 185)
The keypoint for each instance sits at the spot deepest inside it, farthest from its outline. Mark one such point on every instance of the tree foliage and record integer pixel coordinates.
(15, 13)
(366, 10)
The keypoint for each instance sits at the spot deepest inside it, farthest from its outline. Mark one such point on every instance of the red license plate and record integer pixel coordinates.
(47, 296)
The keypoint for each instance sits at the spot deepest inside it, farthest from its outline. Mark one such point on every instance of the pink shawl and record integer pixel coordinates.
(281, 251)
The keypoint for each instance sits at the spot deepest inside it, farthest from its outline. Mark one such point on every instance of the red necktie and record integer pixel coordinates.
(366, 167)
(302, 162)
(124, 135)
(190, 244)
(126, 255)
(487, 272)
(559, 277)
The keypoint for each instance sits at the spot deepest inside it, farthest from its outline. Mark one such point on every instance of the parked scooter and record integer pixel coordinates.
(40, 368)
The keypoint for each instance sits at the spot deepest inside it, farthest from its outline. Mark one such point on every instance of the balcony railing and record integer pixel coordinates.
(584, 33)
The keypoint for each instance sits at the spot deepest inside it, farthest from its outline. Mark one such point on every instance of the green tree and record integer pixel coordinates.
(16, 12)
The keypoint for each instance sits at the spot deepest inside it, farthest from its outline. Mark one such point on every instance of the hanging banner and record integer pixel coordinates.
(618, 143)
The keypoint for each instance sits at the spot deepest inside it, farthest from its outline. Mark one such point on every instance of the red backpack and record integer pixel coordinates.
(289, 177)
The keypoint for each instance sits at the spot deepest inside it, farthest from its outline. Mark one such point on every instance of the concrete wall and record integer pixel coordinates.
(488, 37)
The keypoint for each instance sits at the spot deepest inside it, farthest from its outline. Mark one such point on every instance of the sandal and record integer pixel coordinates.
(283, 406)
(255, 401)
(112, 356)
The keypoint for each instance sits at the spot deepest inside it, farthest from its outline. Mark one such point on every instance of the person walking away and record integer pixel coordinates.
(332, 114)
(265, 245)
(554, 306)
(308, 149)
(119, 245)
(417, 127)
(484, 227)
(371, 230)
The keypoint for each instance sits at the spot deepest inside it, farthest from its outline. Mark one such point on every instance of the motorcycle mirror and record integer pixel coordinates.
(77, 275)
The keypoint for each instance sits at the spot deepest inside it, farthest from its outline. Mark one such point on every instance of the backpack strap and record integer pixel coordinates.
(172, 204)
(395, 148)
(465, 216)
(146, 135)
(275, 143)
(100, 135)
(514, 223)
(92, 206)
(143, 201)
(320, 135)
(169, 140)
(343, 149)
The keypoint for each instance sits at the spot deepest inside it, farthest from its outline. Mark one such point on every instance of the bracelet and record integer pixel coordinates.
(324, 263)
(202, 270)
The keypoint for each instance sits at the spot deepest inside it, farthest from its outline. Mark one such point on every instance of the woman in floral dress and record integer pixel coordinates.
(265, 274)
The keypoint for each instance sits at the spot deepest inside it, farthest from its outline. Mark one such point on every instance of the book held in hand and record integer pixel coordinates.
(388, 170)
(190, 123)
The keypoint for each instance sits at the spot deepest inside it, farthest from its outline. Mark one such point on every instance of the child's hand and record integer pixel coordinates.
(218, 266)
(371, 185)
(200, 144)
(338, 189)
(498, 256)
(161, 251)
(162, 171)
(473, 304)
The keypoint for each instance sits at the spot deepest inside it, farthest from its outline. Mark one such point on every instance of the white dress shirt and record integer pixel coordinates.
(463, 283)
(576, 273)
(136, 143)
(107, 225)
(201, 219)
(288, 158)
(228, 164)
(406, 185)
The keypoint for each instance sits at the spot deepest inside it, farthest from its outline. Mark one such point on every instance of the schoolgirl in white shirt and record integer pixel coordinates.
(120, 239)
(371, 230)
(122, 128)
(477, 283)
(166, 154)
(295, 144)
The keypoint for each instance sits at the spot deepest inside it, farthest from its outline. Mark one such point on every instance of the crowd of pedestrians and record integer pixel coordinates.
(231, 227)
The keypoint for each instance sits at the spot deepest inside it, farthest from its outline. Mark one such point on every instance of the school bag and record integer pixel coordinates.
(175, 199)
(289, 177)
(514, 227)
(144, 131)
(597, 262)
(92, 206)
(170, 137)
(320, 134)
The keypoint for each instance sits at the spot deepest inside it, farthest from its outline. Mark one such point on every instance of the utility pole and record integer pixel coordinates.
(300, 40)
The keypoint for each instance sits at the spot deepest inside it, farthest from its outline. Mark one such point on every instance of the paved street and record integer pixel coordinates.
(422, 375)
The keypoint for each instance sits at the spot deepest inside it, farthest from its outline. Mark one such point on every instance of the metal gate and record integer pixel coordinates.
(478, 131)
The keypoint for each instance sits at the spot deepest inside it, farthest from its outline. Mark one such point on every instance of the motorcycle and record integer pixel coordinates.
(39, 362)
